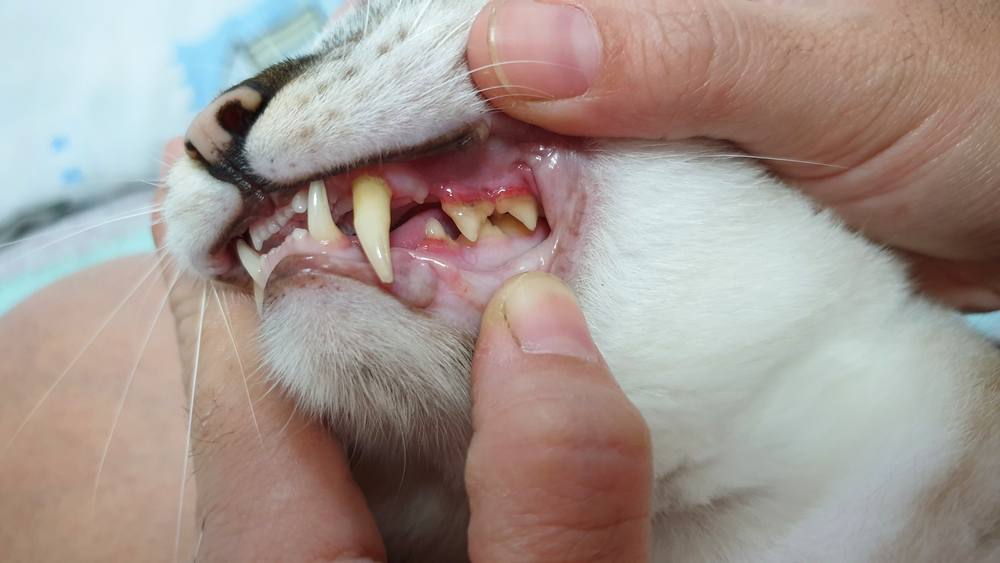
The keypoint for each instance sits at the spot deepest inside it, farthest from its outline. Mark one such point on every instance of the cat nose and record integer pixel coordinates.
(227, 118)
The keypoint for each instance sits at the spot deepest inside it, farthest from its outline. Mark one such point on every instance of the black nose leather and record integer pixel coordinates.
(216, 135)
(226, 119)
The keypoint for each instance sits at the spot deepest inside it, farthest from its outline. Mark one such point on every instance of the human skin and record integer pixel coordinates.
(897, 101)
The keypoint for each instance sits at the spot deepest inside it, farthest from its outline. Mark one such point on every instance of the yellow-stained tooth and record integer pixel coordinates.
(258, 297)
(524, 208)
(469, 219)
(250, 259)
(509, 225)
(490, 230)
(372, 219)
(434, 229)
(321, 225)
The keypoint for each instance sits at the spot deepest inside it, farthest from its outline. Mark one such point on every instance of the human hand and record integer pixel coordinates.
(897, 102)
(560, 461)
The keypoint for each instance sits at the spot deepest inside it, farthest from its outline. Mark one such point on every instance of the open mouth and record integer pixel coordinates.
(439, 233)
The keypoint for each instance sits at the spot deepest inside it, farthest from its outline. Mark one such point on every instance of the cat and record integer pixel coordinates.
(804, 404)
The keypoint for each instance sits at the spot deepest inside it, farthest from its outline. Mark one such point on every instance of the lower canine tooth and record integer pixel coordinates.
(250, 259)
(469, 219)
(321, 225)
(372, 219)
(524, 208)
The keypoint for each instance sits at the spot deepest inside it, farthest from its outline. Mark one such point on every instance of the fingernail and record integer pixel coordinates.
(543, 51)
(545, 318)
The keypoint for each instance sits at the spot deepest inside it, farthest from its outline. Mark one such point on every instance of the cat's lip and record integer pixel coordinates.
(453, 279)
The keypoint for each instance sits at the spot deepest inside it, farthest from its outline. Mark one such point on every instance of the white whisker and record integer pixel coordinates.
(128, 385)
(86, 346)
(187, 447)
(239, 360)
(139, 212)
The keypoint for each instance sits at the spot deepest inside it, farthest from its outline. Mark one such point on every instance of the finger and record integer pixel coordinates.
(971, 287)
(272, 483)
(560, 467)
(681, 68)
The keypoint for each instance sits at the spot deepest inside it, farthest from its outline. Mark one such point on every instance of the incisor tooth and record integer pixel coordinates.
(300, 202)
(372, 219)
(321, 225)
(250, 259)
(434, 229)
(469, 219)
(524, 208)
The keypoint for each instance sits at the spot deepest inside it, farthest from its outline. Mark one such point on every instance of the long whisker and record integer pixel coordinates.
(187, 447)
(86, 346)
(239, 360)
(128, 386)
(145, 210)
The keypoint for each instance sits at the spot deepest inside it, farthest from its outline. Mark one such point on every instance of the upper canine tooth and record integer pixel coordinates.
(321, 225)
(250, 259)
(469, 219)
(258, 297)
(524, 208)
(372, 219)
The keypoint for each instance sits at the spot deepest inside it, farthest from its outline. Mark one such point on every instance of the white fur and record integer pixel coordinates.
(800, 399)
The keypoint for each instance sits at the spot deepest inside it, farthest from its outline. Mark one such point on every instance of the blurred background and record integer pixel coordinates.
(91, 91)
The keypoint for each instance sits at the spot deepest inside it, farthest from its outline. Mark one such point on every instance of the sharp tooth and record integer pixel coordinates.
(372, 219)
(434, 229)
(300, 203)
(524, 208)
(250, 259)
(490, 230)
(255, 238)
(469, 219)
(258, 297)
(509, 225)
(321, 225)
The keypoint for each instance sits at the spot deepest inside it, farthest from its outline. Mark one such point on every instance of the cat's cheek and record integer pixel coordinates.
(197, 207)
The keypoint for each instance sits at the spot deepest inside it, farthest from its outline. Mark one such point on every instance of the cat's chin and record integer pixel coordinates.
(379, 371)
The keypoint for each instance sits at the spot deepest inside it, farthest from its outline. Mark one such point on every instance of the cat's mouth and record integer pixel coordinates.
(439, 233)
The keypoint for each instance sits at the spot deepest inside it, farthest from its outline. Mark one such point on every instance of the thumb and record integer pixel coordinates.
(560, 460)
(672, 69)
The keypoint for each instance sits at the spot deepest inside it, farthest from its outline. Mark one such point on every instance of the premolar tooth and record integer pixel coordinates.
(469, 219)
(524, 208)
(255, 238)
(372, 219)
(435, 230)
(321, 225)
(250, 259)
(300, 234)
(510, 225)
(300, 203)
